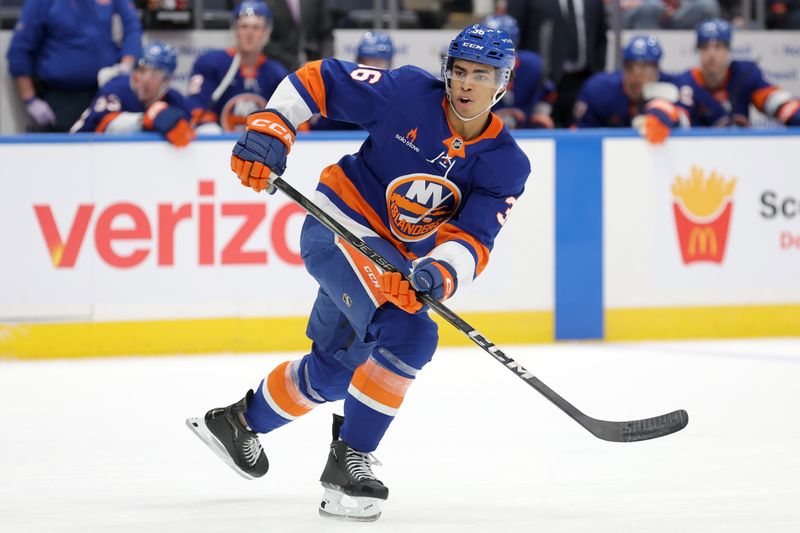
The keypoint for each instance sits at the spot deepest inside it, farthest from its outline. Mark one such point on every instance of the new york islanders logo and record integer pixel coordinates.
(420, 203)
(234, 114)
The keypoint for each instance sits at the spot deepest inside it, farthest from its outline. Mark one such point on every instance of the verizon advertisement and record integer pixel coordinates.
(141, 230)
(702, 221)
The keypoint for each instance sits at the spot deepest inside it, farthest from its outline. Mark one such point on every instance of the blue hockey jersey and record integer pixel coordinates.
(744, 84)
(527, 89)
(222, 90)
(414, 182)
(603, 102)
(115, 98)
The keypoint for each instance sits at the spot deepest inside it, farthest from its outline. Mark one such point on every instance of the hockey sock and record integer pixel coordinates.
(279, 398)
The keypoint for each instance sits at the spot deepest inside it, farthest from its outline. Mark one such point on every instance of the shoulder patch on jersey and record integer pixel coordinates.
(419, 203)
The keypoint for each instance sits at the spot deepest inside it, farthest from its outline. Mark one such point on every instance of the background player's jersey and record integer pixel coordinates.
(527, 88)
(414, 182)
(730, 105)
(603, 103)
(247, 90)
(116, 97)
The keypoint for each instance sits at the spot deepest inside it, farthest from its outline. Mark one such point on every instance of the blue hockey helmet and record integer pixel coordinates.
(251, 8)
(159, 55)
(506, 23)
(643, 48)
(484, 45)
(714, 30)
(376, 44)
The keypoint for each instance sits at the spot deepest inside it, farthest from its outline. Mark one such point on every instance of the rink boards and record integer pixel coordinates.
(127, 245)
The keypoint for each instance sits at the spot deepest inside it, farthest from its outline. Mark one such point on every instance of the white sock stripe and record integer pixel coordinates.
(369, 402)
(314, 394)
(293, 385)
(393, 359)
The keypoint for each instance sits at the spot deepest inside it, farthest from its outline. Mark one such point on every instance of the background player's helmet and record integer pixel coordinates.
(159, 55)
(714, 30)
(251, 8)
(506, 23)
(643, 48)
(376, 44)
(485, 45)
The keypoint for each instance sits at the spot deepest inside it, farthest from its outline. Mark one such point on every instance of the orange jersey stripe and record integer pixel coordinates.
(380, 384)
(106, 121)
(310, 75)
(760, 96)
(448, 232)
(334, 177)
(284, 392)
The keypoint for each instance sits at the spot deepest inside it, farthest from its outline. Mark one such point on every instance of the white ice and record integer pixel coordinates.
(100, 445)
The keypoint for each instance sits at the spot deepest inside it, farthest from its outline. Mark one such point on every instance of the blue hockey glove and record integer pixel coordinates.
(262, 149)
(170, 122)
(437, 278)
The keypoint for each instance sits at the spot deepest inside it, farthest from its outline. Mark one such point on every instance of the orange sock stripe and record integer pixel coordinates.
(284, 391)
(380, 384)
(310, 75)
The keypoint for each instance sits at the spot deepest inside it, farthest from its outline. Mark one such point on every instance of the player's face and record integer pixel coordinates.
(636, 75)
(148, 83)
(384, 64)
(252, 33)
(472, 86)
(714, 58)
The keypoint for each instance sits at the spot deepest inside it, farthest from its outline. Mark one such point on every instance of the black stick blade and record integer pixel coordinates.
(636, 430)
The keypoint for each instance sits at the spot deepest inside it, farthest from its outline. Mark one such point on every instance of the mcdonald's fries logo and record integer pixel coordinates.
(702, 207)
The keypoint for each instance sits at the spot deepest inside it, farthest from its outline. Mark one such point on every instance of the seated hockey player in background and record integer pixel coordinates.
(227, 85)
(429, 189)
(528, 100)
(639, 95)
(720, 91)
(374, 50)
(141, 101)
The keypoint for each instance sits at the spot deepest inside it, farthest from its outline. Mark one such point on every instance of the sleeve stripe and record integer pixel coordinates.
(449, 232)
(760, 96)
(298, 85)
(101, 127)
(310, 75)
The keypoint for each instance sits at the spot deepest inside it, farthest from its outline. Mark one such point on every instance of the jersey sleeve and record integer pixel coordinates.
(466, 241)
(132, 28)
(26, 40)
(202, 84)
(338, 90)
(767, 98)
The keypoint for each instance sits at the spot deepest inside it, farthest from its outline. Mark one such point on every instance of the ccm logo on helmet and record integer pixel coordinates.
(473, 45)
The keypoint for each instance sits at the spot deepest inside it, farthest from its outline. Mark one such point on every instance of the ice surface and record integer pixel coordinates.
(100, 445)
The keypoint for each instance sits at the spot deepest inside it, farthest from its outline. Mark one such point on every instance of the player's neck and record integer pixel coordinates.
(250, 59)
(468, 130)
(714, 81)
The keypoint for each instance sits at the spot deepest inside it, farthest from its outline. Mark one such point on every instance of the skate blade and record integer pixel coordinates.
(336, 505)
(199, 428)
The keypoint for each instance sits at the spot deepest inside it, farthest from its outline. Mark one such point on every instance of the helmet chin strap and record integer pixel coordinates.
(498, 94)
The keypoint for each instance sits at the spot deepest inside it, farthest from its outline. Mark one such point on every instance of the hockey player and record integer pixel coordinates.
(719, 92)
(227, 85)
(375, 49)
(617, 99)
(430, 188)
(528, 100)
(141, 101)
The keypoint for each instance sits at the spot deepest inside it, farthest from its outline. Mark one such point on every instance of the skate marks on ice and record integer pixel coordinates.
(100, 446)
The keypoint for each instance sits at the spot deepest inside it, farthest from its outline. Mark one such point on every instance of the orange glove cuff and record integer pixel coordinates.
(271, 124)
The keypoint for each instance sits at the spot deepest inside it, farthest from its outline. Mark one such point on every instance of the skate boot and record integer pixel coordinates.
(352, 492)
(224, 432)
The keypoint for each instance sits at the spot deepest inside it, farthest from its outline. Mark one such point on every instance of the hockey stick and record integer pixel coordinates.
(634, 430)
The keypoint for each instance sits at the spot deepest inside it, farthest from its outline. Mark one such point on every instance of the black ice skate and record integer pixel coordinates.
(352, 492)
(234, 443)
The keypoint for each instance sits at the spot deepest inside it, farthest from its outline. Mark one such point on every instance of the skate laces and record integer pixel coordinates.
(359, 464)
